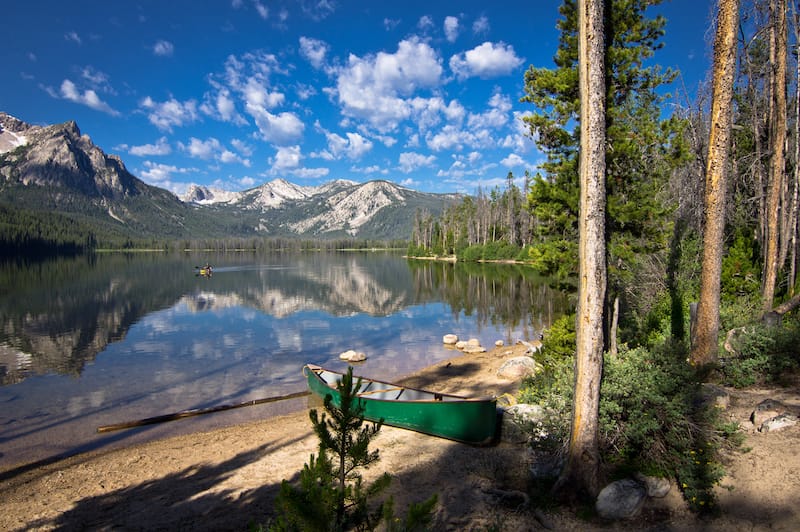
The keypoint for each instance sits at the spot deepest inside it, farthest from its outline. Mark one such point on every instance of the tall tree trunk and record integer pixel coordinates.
(580, 477)
(705, 341)
(777, 158)
(796, 173)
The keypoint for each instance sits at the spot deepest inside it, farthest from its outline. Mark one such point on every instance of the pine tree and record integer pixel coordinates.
(332, 495)
(641, 147)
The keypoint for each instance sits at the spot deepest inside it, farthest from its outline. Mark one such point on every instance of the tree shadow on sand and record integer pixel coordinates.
(187, 499)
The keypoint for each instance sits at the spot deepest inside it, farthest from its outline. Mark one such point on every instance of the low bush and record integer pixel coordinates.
(760, 354)
(652, 418)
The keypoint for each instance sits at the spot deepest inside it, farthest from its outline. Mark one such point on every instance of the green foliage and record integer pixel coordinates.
(556, 258)
(332, 495)
(651, 418)
(761, 355)
(741, 271)
(42, 233)
(472, 253)
(418, 251)
(553, 388)
(643, 149)
(559, 340)
(418, 518)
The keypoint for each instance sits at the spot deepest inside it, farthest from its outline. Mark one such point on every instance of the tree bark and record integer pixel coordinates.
(777, 158)
(580, 477)
(704, 348)
(796, 173)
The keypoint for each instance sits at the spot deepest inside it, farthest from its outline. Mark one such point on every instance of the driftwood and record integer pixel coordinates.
(197, 412)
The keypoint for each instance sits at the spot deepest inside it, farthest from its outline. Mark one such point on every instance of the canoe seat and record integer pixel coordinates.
(383, 390)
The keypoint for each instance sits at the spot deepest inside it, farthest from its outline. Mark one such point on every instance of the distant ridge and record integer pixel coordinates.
(59, 171)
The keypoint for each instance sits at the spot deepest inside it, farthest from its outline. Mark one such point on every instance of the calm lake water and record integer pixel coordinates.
(96, 341)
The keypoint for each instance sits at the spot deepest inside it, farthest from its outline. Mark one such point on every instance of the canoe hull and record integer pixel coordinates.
(472, 421)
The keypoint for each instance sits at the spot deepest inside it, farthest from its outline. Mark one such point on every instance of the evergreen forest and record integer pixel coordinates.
(662, 171)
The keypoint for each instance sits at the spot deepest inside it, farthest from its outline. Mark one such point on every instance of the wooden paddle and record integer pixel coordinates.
(197, 412)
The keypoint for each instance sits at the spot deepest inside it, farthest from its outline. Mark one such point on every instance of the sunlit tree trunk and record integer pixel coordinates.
(580, 477)
(777, 158)
(706, 331)
(796, 179)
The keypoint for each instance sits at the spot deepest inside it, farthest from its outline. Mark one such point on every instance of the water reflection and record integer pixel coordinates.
(87, 342)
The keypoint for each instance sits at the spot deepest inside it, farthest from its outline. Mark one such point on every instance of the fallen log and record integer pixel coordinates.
(197, 412)
(788, 306)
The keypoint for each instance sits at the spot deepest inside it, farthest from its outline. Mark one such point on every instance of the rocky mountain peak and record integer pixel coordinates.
(57, 168)
(13, 132)
(60, 156)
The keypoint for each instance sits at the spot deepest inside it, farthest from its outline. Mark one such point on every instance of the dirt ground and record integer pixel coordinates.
(228, 478)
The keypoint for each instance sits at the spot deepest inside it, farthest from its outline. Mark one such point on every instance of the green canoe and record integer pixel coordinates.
(449, 416)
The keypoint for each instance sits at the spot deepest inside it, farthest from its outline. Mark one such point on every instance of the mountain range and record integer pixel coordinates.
(56, 179)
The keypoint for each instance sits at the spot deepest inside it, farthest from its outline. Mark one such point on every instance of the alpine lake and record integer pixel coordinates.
(113, 337)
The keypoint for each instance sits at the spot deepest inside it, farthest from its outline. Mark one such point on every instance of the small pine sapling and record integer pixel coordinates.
(332, 494)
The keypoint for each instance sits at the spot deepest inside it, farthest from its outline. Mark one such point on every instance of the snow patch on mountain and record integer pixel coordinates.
(12, 133)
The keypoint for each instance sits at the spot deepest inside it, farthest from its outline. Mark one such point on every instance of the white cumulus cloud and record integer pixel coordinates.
(485, 61)
(287, 158)
(69, 91)
(280, 129)
(171, 113)
(353, 147)
(314, 51)
(375, 88)
(161, 147)
(72, 36)
(261, 9)
(410, 161)
(202, 149)
(481, 25)
(513, 161)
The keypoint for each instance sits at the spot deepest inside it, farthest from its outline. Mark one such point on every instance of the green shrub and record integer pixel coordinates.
(559, 339)
(651, 417)
(472, 253)
(761, 354)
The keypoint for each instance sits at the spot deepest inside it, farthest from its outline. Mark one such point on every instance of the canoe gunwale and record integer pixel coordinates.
(460, 398)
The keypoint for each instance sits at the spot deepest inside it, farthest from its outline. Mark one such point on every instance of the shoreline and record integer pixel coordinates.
(227, 478)
(225, 467)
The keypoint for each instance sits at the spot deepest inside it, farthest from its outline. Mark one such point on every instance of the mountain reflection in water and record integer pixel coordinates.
(93, 341)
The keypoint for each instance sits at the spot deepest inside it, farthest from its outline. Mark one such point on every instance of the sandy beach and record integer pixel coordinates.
(227, 479)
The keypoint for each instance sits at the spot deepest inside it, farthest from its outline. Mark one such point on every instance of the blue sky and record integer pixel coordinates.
(235, 93)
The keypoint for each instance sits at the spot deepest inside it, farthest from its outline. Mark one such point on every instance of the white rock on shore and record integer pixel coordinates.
(353, 356)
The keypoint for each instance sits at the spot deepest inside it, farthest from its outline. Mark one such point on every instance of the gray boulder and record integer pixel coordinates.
(767, 409)
(622, 499)
(778, 422)
(517, 368)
